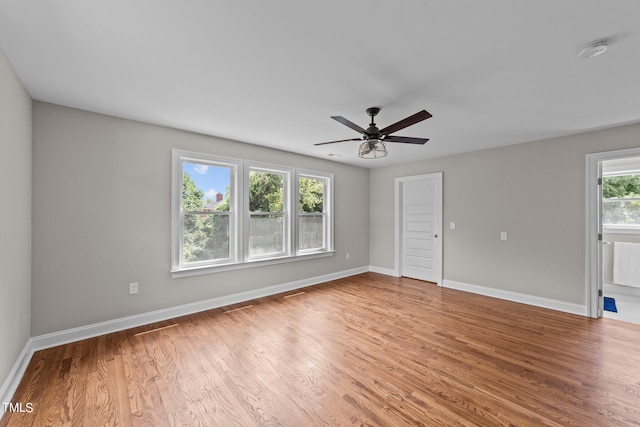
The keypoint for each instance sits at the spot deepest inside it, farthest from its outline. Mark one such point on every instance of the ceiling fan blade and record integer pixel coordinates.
(348, 123)
(406, 139)
(342, 140)
(411, 120)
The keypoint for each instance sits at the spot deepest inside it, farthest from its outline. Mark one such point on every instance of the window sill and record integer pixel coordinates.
(620, 229)
(196, 271)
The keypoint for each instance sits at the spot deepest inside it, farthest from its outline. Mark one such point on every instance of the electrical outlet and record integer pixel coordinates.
(133, 288)
(347, 255)
(503, 235)
(452, 225)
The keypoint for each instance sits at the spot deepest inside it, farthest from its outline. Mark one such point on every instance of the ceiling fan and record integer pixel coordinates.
(374, 138)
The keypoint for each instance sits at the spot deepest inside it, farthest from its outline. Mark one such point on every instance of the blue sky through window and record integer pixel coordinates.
(210, 179)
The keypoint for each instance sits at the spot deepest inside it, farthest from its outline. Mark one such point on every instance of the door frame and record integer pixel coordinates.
(593, 227)
(399, 182)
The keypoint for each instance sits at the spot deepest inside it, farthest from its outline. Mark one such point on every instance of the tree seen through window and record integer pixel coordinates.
(621, 200)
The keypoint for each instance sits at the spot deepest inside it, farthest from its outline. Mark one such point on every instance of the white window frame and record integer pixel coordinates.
(621, 228)
(179, 157)
(286, 204)
(239, 216)
(327, 206)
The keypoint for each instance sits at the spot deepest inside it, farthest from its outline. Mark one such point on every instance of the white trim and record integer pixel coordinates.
(288, 174)
(178, 158)
(16, 373)
(397, 225)
(197, 271)
(592, 228)
(620, 229)
(552, 304)
(89, 331)
(398, 220)
(328, 178)
(593, 267)
(385, 271)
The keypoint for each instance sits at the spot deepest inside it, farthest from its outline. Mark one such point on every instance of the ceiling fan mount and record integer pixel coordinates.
(373, 111)
(372, 131)
(375, 139)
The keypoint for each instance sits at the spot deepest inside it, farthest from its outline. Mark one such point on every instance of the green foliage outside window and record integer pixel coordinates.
(192, 196)
(621, 186)
(266, 192)
(311, 209)
(206, 236)
(311, 195)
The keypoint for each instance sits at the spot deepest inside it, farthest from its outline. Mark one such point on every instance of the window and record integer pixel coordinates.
(621, 201)
(205, 211)
(313, 212)
(229, 213)
(268, 212)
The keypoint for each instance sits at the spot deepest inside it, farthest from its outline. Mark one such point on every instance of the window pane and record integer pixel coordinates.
(311, 192)
(206, 237)
(266, 191)
(621, 212)
(267, 235)
(205, 187)
(311, 232)
(621, 186)
(311, 228)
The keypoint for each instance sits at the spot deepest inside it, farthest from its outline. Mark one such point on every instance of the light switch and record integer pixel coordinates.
(452, 225)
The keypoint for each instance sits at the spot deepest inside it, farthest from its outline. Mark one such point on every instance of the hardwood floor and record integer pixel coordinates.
(366, 350)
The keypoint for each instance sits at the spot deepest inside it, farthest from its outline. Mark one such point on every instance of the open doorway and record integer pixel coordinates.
(613, 235)
(621, 238)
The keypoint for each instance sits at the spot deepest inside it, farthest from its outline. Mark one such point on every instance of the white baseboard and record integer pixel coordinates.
(89, 331)
(385, 271)
(12, 381)
(552, 304)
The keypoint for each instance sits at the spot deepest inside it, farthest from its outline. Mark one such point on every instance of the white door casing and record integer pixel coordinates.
(419, 227)
(594, 285)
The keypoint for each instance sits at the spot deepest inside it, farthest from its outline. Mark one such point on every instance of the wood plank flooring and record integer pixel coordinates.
(366, 350)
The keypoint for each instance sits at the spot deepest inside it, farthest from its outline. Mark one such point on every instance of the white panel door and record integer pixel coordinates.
(421, 207)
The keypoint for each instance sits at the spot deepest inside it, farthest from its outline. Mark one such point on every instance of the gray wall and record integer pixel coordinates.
(15, 226)
(533, 191)
(101, 199)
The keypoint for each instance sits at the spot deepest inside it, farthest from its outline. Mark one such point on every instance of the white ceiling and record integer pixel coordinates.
(492, 72)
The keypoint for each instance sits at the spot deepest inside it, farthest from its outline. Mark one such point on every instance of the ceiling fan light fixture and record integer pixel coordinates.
(373, 143)
(372, 149)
